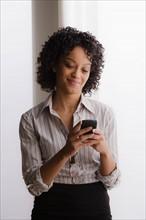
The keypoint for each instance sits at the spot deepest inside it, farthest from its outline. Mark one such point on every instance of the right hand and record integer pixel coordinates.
(77, 139)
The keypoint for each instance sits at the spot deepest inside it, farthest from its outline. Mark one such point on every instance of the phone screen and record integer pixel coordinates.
(89, 123)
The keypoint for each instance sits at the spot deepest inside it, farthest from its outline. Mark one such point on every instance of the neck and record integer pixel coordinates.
(65, 102)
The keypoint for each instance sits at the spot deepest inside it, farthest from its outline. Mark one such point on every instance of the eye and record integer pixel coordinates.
(68, 64)
(85, 70)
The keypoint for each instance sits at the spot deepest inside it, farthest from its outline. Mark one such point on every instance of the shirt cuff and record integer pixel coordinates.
(111, 180)
(37, 187)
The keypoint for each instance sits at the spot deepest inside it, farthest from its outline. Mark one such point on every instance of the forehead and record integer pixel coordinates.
(79, 54)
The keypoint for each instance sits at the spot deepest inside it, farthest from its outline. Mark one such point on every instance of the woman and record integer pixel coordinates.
(67, 169)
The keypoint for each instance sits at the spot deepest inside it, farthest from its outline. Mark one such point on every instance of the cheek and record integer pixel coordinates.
(86, 77)
(62, 72)
(60, 76)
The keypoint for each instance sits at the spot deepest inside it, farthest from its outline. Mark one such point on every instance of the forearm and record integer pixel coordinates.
(108, 165)
(51, 168)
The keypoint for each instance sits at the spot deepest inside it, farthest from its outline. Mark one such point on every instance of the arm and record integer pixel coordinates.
(52, 167)
(31, 156)
(38, 176)
(107, 165)
(106, 144)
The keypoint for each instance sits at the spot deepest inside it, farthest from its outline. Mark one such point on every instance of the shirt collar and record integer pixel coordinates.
(86, 102)
(46, 103)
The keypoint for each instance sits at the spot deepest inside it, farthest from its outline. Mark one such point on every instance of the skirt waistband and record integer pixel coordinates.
(76, 186)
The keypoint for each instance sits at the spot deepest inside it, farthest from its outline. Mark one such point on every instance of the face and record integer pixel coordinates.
(73, 72)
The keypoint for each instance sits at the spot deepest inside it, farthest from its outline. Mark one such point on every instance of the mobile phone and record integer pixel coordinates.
(89, 123)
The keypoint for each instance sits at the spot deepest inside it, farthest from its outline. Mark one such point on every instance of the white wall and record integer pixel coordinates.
(16, 97)
(120, 26)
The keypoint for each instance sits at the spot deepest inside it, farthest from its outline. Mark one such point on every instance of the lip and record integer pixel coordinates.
(73, 81)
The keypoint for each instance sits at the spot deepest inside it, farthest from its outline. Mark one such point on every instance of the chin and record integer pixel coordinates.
(70, 90)
(74, 92)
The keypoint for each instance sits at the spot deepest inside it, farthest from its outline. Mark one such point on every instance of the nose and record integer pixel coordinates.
(76, 73)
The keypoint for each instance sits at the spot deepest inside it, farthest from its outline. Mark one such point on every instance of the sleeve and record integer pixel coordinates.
(110, 132)
(31, 156)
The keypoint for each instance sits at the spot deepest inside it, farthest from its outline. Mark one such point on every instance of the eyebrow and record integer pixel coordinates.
(68, 58)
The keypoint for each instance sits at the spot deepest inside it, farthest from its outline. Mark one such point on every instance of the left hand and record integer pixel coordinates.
(98, 142)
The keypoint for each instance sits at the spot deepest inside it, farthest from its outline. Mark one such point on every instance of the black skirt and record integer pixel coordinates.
(67, 201)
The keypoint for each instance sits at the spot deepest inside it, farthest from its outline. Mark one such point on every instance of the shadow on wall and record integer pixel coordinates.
(44, 23)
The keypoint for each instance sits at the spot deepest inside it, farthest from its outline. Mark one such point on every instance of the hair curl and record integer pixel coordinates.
(59, 46)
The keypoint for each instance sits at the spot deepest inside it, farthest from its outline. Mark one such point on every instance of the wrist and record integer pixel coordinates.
(105, 152)
(65, 153)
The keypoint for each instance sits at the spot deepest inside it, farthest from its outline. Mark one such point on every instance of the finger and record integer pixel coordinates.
(88, 142)
(82, 132)
(76, 128)
(96, 131)
(85, 137)
(85, 130)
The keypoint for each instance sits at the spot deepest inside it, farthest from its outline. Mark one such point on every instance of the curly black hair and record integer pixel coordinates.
(59, 46)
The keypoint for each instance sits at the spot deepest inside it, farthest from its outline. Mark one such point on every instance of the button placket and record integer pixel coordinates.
(76, 170)
(77, 173)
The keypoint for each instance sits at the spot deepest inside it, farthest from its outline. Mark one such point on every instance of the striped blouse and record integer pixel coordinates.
(43, 134)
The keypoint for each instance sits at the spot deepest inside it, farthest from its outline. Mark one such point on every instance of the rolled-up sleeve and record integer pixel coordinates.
(110, 132)
(31, 156)
(111, 180)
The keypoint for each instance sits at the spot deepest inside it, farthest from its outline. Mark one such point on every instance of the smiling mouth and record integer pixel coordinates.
(74, 82)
